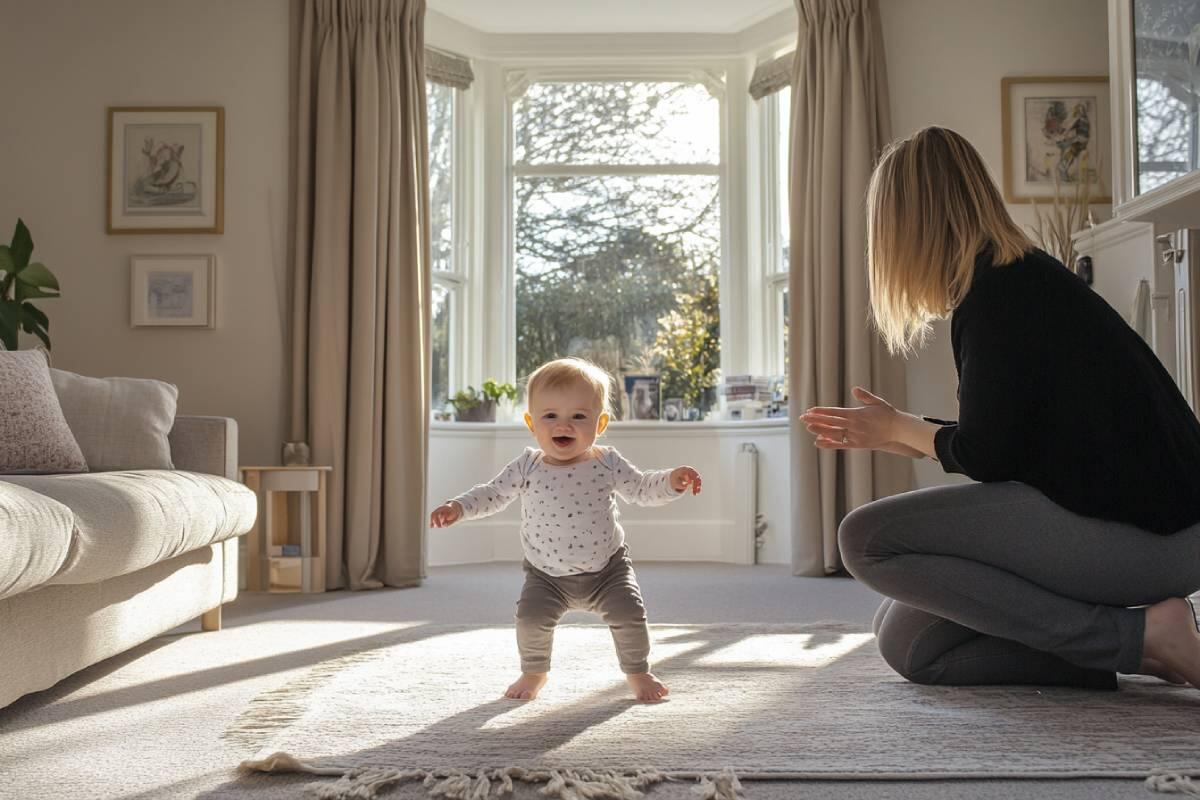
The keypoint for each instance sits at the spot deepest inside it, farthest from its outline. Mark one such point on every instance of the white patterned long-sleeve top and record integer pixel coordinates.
(569, 512)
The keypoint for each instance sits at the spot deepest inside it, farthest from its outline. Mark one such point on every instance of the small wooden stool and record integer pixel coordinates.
(286, 554)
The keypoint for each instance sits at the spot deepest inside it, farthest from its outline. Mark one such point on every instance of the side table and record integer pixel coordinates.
(286, 552)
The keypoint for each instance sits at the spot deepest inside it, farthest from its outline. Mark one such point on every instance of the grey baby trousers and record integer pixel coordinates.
(612, 593)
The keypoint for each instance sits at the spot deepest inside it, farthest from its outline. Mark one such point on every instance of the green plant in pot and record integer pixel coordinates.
(480, 406)
(21, 282)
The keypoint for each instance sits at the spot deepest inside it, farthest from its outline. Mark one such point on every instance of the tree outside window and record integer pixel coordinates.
(617, 230)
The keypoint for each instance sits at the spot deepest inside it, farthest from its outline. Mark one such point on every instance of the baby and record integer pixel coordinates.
(575, 552)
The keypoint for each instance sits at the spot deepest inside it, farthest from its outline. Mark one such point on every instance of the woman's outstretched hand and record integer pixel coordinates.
(871, 427)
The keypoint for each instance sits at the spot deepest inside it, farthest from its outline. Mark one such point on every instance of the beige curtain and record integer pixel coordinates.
(840, 122)
(361, 281)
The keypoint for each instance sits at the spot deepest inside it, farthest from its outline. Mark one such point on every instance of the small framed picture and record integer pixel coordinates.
(173, 291)
(166, 169)
(642, 393)
(673, 409)
(1055, 132)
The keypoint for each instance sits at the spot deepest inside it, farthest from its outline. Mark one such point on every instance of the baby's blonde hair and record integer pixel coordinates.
(567, 372)
(932, 208)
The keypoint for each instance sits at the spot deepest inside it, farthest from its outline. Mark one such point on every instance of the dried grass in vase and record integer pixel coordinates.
(1065, 217)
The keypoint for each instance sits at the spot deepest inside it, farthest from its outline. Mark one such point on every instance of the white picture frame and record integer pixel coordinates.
(166, 169)
(173, 291)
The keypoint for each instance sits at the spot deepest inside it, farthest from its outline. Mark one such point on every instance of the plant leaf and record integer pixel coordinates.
(6, 259)
(10, 319)
(38, 275)
(38, 316)
(22, 246)
(35, 322)
(24, 292)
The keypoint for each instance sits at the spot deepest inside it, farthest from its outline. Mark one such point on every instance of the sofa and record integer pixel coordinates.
(94, 563)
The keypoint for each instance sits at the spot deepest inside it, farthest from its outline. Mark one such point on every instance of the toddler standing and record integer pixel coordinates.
(575, 552)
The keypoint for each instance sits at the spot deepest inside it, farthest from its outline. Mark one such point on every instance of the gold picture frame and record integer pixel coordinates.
(1052, 127)
(166, 169)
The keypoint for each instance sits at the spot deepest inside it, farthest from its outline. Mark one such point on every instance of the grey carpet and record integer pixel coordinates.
(152, 723)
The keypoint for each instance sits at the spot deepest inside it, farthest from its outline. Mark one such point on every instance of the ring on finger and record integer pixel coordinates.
(845, 436)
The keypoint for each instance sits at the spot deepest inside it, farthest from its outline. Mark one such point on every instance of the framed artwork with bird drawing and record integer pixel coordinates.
(1056, 137)
(166, 169)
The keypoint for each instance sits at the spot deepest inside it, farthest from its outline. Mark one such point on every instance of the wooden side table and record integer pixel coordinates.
(286, 553)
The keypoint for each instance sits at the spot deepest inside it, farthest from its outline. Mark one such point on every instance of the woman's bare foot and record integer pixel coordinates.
(647, 688)
(1171, 639)
(1155, 669)
(527, 686)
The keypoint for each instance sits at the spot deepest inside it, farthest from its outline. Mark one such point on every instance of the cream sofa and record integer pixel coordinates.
(93, 564)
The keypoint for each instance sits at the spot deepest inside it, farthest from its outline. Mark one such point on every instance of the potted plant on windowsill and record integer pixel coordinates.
(480, 406)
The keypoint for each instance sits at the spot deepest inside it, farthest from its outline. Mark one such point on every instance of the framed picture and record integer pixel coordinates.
(173, 291)
(166, 170)
(674, 410)
(642, 393)
(1055, 130)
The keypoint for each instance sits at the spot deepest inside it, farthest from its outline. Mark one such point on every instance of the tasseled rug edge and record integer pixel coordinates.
(366, 783)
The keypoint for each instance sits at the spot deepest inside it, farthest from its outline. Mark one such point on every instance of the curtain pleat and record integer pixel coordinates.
(840, 123)
(361, 282)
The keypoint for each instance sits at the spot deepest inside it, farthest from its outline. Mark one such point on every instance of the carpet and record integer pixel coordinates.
(747, 701)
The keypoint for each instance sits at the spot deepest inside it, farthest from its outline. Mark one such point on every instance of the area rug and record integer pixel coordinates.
(747, 702)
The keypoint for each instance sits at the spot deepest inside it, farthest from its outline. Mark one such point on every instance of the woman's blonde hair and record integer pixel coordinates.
(567, 372)
(932, 208)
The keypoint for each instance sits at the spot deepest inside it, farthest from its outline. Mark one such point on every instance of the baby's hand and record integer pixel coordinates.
(683, 477)
(445, 515)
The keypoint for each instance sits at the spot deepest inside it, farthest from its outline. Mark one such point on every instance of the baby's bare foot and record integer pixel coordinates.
(527, 686)
(1172, 641)
(647, 688)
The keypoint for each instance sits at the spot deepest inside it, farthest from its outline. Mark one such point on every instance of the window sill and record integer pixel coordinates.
(706, 428)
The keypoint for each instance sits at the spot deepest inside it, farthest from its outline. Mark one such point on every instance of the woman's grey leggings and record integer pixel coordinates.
(992, 583)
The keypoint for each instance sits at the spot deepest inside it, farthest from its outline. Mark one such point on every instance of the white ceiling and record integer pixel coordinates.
(609, 16)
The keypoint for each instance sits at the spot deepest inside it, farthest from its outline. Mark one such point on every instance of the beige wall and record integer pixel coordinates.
(945, 59)
(62, 62)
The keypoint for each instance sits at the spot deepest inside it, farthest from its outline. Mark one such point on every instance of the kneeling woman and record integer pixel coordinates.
(1072, 558)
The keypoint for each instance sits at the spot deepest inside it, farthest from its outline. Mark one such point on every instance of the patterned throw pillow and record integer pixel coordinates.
(34, 435)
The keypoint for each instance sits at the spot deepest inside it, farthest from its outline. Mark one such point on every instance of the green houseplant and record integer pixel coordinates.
(21, 282)
(480, 406)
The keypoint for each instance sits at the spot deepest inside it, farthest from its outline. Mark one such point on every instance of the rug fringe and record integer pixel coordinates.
(724, 786)
(367, 783)
(1173, 783)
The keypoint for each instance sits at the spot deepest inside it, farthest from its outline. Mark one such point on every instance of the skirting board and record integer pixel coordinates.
(500, 540)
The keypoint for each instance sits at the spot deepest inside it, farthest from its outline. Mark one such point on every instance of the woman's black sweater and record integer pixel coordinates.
(1058, 392)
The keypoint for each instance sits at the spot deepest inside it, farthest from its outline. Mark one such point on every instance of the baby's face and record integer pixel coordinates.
(566, 420)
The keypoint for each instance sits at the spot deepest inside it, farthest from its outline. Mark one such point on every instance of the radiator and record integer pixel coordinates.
(746, 518)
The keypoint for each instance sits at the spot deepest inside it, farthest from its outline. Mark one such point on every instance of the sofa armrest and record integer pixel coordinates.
(205, 444)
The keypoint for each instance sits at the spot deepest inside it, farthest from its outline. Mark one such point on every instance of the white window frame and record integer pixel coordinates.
(458, 279)
(774, 278)
(715, 76)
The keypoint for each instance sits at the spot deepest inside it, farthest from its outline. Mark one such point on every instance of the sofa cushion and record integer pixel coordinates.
(120, 423)
(34, 435)
(35, 538)
(125, 521)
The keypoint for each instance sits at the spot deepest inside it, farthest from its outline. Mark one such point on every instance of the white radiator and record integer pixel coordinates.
(746, 505)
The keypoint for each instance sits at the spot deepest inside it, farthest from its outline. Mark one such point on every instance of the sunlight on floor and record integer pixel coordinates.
(785, 650)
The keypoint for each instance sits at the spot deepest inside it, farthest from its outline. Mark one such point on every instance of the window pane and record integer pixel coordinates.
(623, 271)
(617, 123)
(783, 198)
(1167, 90)
(783, 334)
(442, 309)
(440, 102)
